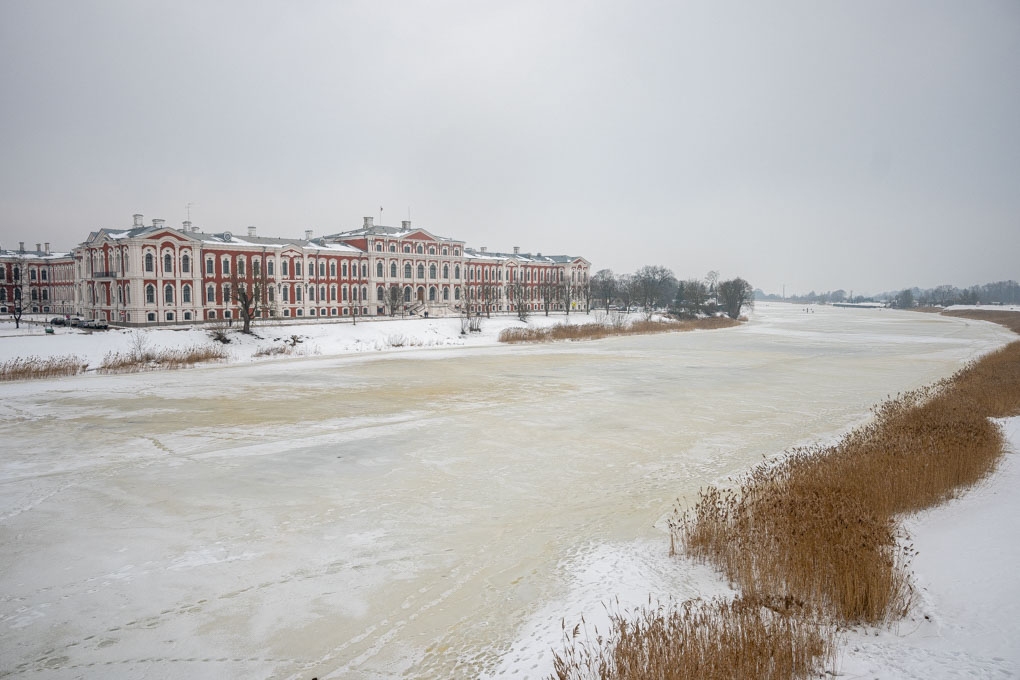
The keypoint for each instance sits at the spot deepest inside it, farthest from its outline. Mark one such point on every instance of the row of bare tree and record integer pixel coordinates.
(656, 288)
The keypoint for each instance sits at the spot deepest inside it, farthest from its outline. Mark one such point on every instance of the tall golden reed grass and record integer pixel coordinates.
(156, 360)
(29, 368)
(596, 331)
(817, 531)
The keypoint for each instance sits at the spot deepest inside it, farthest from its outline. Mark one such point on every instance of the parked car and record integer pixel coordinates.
(100, 324)
(86, 323)
(76, 321)
(57, 321)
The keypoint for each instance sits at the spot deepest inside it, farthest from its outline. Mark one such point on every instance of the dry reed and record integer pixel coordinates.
(819, 526)
(596, 331)
(29, 368)
(698, 640)
(156, 360)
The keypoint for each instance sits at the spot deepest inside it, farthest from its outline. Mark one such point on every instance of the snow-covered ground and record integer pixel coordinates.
(361, 513)
(330, 338)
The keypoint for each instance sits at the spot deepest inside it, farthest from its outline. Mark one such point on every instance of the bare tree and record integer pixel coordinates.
(603, 287)
(625, 290)
(18, 278)
(249, 291)
(517, 294)
(691, 297)
(394, 297)
(550, 293)
(735, 294)
(654, 286)
(567, 293)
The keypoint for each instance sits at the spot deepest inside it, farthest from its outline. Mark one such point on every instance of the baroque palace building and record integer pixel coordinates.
(39, 281)
(155, 274)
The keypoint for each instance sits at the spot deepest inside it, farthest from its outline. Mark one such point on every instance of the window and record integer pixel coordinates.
(446, 271)
(226, 266)
(286, 293)
(420, 249)
(407, 270)
(378, 247)
(343, 270)
(393, 247)
(393, 269)
(284, 267)
(272, 294)
(432, 250)
(256, 267)
(432, 271)
(150, 262)
(364, 292)
(169, 316)
(446, 250)
(151, 316)
(354, 292)
(407, 293)
(432, 293)
(332, 268)
(269, 267)
(187, 316)
(297, 294)
(42, 275)
(168, 263)
(446, 295)
(322, 269)
(150, 294)
(380, 294)
(185, 264)
(343, 293)
(456, 272)
(456, 293)
(240, 265)
(210, 294)
(212, 313)
(332, 293)
(186, 294)
(407, 247)
(421, 271)
(209, 266)
(364, 270)
(297, 268)
(378, 269)
(226, 294)
(322, 293)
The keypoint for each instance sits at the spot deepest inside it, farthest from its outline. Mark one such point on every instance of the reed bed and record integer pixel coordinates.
(30, 368)
(596, 331)
(819, 526)
(160, 360)
(699, 640)
(1010, 320)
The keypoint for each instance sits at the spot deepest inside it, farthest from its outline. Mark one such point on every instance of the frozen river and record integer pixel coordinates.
(428, 514)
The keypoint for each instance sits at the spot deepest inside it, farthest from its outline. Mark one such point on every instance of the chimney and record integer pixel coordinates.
(308, 234)
(405, 225)
(158, 223)
(517, 250)
(251, 231)
(47, 246)
(38, 247)
(538, 254)
(483, 249)
(21, 247)
(138, 220)
(368, 223)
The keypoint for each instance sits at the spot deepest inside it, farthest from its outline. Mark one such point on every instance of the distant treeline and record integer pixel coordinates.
(656, 288)
(998, 293)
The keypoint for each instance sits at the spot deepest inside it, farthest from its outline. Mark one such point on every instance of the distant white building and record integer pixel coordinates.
(39, 281)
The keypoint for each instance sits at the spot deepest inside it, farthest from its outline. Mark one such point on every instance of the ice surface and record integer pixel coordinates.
(429, 513)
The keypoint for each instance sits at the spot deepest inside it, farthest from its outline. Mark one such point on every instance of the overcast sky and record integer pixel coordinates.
(820, 145)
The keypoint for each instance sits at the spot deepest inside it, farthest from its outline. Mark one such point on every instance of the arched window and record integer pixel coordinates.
(393, 269)
(150, 294)
(285, 267)
(378, 247)
(364, 293)
(272, 294)
(380, 294)
(297, 291)
(421, 271)
(226, 266)
(210, 266)
(407, 247)
(420, 249)
(364, 270)
(446, 294)
(210, 294)
(407, 270)
(186, 294)
(332, 293)
(378, 269)
(407, 293)
(286, 293)
(446, 271)
(185, 264)
(432, 293)
(150, 262)
(322, 293)
(343, 293)
(322, 269)
(269, 267)
(354, 292)
(168, 263)
(432, 250)
(445, 250)
(343, 270)
(393, 247)
(240, 265)
(297, 267)
(456, 293)
(432, 271)
(456, 272)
